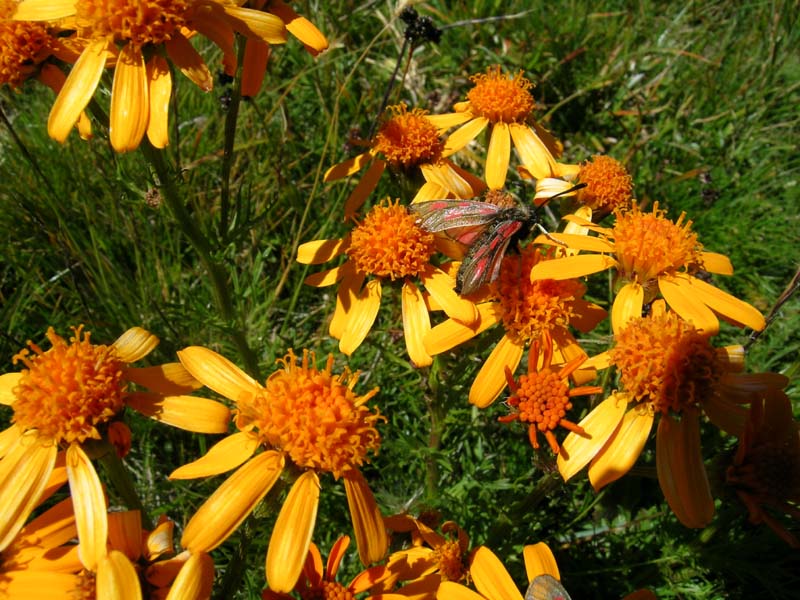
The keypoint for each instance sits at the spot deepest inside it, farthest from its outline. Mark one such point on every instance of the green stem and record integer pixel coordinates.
(231, 119)
(120, 479)
(437, 411)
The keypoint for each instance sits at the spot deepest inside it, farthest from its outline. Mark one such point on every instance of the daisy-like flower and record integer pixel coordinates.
(652, 255)
(528, 311)
(407, 141)
(319, 581)
(65, 399)
(541, 398)
(302, 414)
(257, 51)
(505, 103)
(493, 582)
(134, 36)
(667, 369)
(388, 245)
(765, 471)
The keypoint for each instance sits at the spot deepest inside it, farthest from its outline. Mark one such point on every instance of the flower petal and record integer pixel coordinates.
(498, 156)
(441, 287)
(533, 153)
(576, 241)
(254, 66)
(351, 282)
(539, 560)
(361, 317)
(227, 454)
(727, 305)
(348, 167)
(370, 532)
(117, 579)
(627, 305)
(170, 379)
(464, 135)
(727, 415)
(191, 413)
(8, 381)
(320, 251)
(300, 27)
(617, 458)
(680, 296)
(446, 121)
(416, 324)
(251, 23)
(681, 472)
(217, 372)
(452, 333)
(229, 505)
(159, 83)
(195, 579)
(490, 576)
(449, 590)
(130, 102)
(125, 532)
(491, 379)
(291, 536)
(366, 185)
(324, 278)
(188, 60)
(44, 10)
(571, 266)
(451, 178)
(717, 263)
(89, 502)
(135, 344)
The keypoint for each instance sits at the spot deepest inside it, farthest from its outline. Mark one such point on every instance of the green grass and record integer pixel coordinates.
(699, 100)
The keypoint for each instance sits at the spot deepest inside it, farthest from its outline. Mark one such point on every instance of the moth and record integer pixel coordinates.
(485, 228)
(546, 587)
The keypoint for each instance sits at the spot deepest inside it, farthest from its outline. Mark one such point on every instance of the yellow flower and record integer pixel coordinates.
(407, 141)
(318, 581)
(667, 368)
(123, 33)
(387, 245)
(765, 472)
(504, 102)
(542, 397)
(652, 254)
(528, 311)
(66, 398)
(493, 582)
(302, 414)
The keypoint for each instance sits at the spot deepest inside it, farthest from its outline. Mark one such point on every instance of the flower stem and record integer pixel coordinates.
(437, 412)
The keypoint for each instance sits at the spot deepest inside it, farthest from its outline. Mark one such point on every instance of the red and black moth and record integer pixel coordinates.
(487, 229)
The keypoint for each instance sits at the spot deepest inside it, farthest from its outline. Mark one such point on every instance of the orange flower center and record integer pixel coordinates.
(531, 308)
(408, 139)
(23, 45)
(608, 184)
(389, 243)
(68, 391)
(137, 21)
(86, 586)
(648, 245)
(313, 416)
(665, 361)
(542, 399)
(450, 560)
(501, 97)
(329, 590)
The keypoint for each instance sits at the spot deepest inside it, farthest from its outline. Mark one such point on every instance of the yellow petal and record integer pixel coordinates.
(576, 241)
(194, 580)
(441, 286)
(571, 266)
(291, 536)
(44, 10)
(599, 425)
(125, 532)
(681, 472)
(533, 153)
(490, 576)
(366, 185)
(351, 282)
(680, 295)
(24, 473)
(89, 502)
(170, 379)
(446, 174)
(727, 305)
(188, 60)
(617, 458)
(491, 379)
(416, 324)
(117, 578)
(227, 454)
(539, 560)
(54, 527)
(449, 590)
(370, 532)
(726, 415)
(159, 84)
(348, 167)
(448, 120)
(254, 66)
(217, 372)
(300, 27)
(134, 344)
(324, 278)
(78, 89)
(159, 540)
(361, 317)
(229, 505)
(191, 413)
(8, 381)
(717, 263)
(256, 23)
(627, 305)
(130, 102)
(498, 156)
(464, 135)
(452, 333)
(320, 251)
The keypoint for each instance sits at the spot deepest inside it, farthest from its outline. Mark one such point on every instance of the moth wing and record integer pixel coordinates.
(482, 262)
(546, 587)
(441, 215)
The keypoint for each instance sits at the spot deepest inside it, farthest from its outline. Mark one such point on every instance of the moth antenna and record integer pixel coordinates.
(547, 234)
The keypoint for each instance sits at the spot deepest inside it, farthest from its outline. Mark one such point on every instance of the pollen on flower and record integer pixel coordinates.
(389, 243)
(139, 22)
(649, 245)
(664, 361)
(608, 184)
(408, 139)
(313, 416)
(69, 390)
(450, 561)
(23, 45)
(532, 308)
(500, 97)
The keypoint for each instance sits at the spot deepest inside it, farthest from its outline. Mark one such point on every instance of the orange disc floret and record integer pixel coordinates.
(328, 590)
(23, 44)
(449, 557)
(408, 139)
(530, 308)
(665, 361)
(313, 416)
(608, 184)
(136, 21)
(542, 399)
(500, 97)
(649, 245)
(69, 390)
(389, 243)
